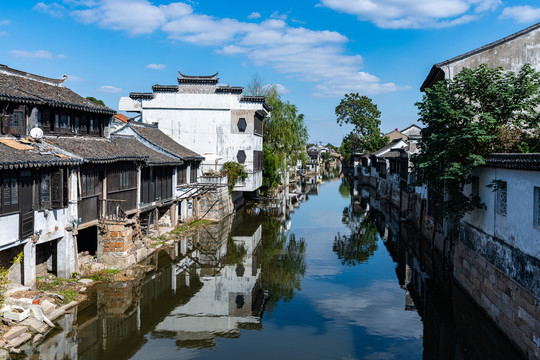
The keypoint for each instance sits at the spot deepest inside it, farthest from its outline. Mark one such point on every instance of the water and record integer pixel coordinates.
(317, 283)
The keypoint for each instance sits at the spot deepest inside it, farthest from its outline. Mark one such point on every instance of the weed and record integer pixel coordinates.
(69, 295)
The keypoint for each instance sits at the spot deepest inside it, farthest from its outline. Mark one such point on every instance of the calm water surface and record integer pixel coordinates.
(317, 283)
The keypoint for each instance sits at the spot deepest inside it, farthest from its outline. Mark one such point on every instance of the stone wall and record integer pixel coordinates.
(216, 204)
(115, 247)
(494, 275)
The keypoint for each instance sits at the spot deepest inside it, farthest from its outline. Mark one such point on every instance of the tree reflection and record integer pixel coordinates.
(345, 188)
(283, 263)
(361, 243)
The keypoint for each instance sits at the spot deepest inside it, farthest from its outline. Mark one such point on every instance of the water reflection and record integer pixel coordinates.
(453, 327)
(213, 284)
(361, 243)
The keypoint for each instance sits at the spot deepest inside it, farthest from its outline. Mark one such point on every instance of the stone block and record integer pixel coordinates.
(47, 307)
(15, 332)
(35, 325)
(19, 340)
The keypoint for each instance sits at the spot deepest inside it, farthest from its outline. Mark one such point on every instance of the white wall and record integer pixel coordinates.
(9, 226)
(207, 123)
(52, 224)
(517, 227)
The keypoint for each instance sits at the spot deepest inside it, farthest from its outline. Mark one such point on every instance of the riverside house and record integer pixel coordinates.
(69, 186)
(213, 120)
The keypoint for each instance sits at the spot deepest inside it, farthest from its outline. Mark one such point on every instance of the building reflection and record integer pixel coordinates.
(454, 327)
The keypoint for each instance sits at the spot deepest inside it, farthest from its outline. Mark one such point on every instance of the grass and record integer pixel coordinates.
(104, 275)
(69, 295)
(191, 225)
(53, 284)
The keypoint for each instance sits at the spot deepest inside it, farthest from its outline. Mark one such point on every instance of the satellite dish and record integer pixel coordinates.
(36, 133)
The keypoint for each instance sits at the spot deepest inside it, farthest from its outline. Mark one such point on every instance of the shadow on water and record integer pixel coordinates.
(211, 284)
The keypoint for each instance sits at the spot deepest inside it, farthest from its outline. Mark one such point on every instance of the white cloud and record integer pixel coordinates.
(156, 66)
(109, 89)
(522, 14)
(254, 15)
(407, 14)
(379, 309)
(4, 22)
(2, 33)
(303, 54)
(54, 9)
(38, 54)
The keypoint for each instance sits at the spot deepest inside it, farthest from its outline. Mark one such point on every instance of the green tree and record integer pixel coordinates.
(95, 101)
(285, 133)
(478, 112)
(234, 172)
(364, 116)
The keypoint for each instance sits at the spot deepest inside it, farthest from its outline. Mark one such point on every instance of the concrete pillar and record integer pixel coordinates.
(29, 264)
(65, 261)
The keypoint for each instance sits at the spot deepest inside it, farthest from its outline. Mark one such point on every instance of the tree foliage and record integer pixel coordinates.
(364, 116)
(95, 101)
(478, 112)
(285, 132)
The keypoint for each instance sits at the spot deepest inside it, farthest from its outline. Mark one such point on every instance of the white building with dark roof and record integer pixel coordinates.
(216, 121)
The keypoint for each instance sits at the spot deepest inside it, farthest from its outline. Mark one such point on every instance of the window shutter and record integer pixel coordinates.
(57, 189)
(45, 188)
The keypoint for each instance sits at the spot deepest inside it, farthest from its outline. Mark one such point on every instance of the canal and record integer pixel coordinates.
(332, 278)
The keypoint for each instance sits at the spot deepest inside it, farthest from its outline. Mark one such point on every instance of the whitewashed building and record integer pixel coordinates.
(216, 121)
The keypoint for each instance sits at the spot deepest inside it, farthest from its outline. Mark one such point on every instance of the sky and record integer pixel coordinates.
(315, 52)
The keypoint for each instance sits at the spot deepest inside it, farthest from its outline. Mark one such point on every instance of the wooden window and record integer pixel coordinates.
(193, 173)
(258, 160)
(57, 189)
(258, 124)
(181, 177)
(500, 203)
(44, 120)
(537, 207)
(89, 183)
(10, 194)
(45, 190)
(76, 124)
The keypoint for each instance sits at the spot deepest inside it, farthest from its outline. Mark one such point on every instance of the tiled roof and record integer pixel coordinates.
(514, 161)
(35, 155)
(18, 86)
(131, 145)
(97, 150)
(121, 117)
(157, 137)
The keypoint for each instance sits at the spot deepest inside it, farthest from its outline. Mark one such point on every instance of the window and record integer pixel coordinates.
(45, 191)
(44, 120)
(500, 203)
(241, 156)
(193, 173)
(181, 177)
(242, 125)
(258, 124)
(10, 194)
(89, 183)
(537, 207)
(258, 160)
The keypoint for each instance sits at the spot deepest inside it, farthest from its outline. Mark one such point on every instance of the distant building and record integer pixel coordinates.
(216, 121)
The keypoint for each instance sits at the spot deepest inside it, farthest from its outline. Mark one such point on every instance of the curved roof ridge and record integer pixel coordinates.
(55, 82)
(183, 76)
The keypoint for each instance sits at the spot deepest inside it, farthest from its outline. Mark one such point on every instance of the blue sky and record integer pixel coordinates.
(315, 51)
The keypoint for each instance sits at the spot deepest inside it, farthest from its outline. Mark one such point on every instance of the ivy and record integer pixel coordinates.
(234, 171)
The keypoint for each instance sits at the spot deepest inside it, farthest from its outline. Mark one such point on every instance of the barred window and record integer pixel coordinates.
(500, 203)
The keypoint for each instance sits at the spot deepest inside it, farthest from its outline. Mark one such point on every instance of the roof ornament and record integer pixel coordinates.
(197, 76)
